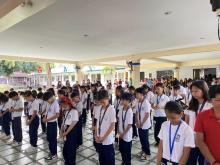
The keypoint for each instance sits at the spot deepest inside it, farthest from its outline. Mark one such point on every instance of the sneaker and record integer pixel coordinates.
(16, 144)
(2, 135)
(145, 157)
(31, 150)
(11, 142)
(6, 137)
(140, 154)
(50, 157)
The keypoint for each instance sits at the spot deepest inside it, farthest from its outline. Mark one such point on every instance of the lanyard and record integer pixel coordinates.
(200, 109)
(171, 144)
(65, 117)
(118, 103)
(139, 110)
(101, 118)
(158, 99)
(49, 110)
(123, 119)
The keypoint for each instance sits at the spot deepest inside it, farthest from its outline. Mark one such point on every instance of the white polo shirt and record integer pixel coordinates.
(71, 116)
(174, 98)
(52, 109)
(150, 96)
(79, 107)
(17, 104)
(109, 118)
(192, 114)
(6, 106)
(144, 108)
(162, 100)
(125, 117)
(33, 106)
(184, 138)
(96, 111)
(44, 105)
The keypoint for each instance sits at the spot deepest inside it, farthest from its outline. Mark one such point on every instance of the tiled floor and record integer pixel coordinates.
(85, 155)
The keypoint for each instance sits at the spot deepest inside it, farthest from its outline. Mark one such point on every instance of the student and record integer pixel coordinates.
(188, 91)
(176, 137)
(69, 131)
(131, 90)
(104, 129)
(117, 104)
(159, 102)
(16, 110)
(79, 107)
(199, 102)
(175, 95)
(60, 94)
(125, 121)
(32, 121)
(42, 113)
(207, 129)
(143, 123)
(52, 114)
(84, 103)
(6, 118)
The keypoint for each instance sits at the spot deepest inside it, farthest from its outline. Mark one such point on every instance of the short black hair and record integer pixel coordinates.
(39, 89)
(47, 95)
(176, 87)
(126, 96)
(3, 98)
(131, 88)
(146, 87)
(34, 93)
(61, 92)
(214, 90)
(75, 93)
(159, 85)
(12, 94)
(103, 94)
(173, 107)
(40, 95)
(51, 90)
(140, 90)
(29, 93)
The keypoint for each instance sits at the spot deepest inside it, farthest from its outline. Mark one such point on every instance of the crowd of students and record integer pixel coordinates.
(186, 120)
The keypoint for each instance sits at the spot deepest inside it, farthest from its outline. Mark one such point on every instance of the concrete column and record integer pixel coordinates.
(49, 75)
(79, 75)
(135, 74)
(177, 73)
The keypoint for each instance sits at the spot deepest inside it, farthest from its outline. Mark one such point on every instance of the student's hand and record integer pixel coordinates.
(157, 106)
(28, 122)
(45, 120)
(121, 135)
(63, 135)
(11, 110)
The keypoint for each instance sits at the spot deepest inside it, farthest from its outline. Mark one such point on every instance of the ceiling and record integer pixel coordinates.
(76, 30)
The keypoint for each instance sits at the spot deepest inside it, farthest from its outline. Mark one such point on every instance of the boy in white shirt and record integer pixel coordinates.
(175, 95)
(143, 122)
(16, 112)
(52, 114)
(125, 121)
(104, 130)
(176, 137)
(32, 120)
(83, 98)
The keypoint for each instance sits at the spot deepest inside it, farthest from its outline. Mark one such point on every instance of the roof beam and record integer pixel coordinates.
(201, 62)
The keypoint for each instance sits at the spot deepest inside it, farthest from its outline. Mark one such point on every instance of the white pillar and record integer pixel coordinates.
(49, 75)
(135, 73)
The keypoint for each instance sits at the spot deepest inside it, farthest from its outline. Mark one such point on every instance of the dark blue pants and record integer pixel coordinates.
(164, 162)
(79, 132)
(84, 115)
(134, 126)
(195, 156)
(106, 154)
(6, 123)
(144, 139)
(52, 137)
(43, 125)
(33, 129)
(158, 123)
(16, 128)
(125, 149)
(69, 148)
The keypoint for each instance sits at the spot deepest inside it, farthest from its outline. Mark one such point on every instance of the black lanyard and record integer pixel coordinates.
(65, 117)
(139, 110)
(118, 103)
(101, 118)
(201, 108)
(124, 118)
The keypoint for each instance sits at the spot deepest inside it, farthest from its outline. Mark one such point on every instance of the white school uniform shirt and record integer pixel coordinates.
(163, 99)
(17, 104)
(174, 98)
(79, 107)
(6, 106)
(133, 105)
(71, 116)
(192, 114)
(188, 95)
(125, 118)
(184, 138)
(183, 90)
(109, 118)
(96, 111)
(145, 107)
(150, 96)
(33, 106)
(52, 109)
(117, 104)
(44, 105)
(84, 99)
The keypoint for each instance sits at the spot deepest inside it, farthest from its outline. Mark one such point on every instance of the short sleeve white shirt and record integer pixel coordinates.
(33, 106)
(184, 138)
(79, 107)
(125, 118)
(109, 118)
(161, 101)
(71, 116)
(52, 109)
(17, 104)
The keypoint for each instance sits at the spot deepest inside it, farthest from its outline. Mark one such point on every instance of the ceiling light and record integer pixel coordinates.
(201, 38)
(168, 12)
(85, 35)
